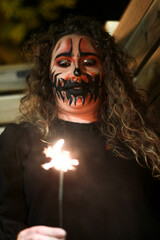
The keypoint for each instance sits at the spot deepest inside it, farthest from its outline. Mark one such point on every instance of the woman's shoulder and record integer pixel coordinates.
(16, 141)
(18, 132)
(17, 128)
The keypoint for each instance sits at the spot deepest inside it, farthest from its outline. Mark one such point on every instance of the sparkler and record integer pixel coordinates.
(60, 160)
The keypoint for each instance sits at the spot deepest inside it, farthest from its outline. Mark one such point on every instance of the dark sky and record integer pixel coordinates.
(103, 10)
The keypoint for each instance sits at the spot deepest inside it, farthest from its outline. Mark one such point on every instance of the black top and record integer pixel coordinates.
(106, 197)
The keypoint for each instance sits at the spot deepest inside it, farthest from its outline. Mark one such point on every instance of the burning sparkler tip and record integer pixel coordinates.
(60, 159)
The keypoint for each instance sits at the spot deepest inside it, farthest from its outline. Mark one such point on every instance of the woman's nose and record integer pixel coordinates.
(77, 72)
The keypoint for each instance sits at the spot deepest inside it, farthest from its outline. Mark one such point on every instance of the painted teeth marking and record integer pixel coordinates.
(63, 87)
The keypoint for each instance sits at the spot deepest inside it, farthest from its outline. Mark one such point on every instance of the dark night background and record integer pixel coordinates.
(21, 18)
(103, 10)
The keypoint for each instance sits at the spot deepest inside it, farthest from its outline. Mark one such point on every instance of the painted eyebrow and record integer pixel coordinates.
(64, 54)
(86, 53)
(68, 54)
(83, 54)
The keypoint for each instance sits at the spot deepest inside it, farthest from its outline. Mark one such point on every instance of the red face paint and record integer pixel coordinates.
(58, 46)
(76, 70)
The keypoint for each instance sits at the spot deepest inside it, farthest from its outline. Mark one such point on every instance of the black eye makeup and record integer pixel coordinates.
(89, 62)
(63, 62)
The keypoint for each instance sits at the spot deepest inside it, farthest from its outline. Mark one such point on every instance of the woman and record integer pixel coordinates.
(81, 89)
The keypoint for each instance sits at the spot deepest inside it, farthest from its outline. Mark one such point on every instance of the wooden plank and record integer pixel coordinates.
(129, 20)
(110, 26)
(149, 76)
(153, 111)
(148, 79)
(9, 108)
(154, 95)
(13, 77)
(146, 35)
(1, 129)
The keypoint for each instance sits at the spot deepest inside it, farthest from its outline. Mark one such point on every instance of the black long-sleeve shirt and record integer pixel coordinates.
(106, 197)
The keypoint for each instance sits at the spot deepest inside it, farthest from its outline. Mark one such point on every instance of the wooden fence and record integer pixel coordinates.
(139, 33)
(12, 85)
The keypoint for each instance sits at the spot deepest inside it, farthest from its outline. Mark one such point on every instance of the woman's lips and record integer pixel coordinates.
(77, 91)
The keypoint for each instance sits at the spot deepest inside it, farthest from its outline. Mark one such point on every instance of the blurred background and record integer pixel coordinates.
(20, 18)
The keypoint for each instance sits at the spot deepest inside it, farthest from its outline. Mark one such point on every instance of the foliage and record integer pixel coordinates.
(20, 17)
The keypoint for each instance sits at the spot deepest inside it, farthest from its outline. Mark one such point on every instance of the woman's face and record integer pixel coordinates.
(76, 71)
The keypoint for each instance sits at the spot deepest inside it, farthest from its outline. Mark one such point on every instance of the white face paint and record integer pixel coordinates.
(76, 71)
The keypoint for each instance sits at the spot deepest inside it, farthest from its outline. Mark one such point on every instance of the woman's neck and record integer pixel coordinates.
(80, 113)
(79, 118)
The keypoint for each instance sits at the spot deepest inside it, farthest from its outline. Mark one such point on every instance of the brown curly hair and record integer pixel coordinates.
(122, 112)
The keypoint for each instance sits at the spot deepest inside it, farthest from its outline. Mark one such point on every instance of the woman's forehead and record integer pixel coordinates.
(76, 42)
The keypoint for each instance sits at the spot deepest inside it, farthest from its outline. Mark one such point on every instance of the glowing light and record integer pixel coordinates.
(60, 159)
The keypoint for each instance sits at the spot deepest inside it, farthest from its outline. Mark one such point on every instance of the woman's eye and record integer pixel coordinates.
(64, 63)
(89, 62)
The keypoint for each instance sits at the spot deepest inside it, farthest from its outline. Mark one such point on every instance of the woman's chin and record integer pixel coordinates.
(80, 102)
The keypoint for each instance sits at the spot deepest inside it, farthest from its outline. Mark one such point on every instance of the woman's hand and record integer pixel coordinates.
(42, 233)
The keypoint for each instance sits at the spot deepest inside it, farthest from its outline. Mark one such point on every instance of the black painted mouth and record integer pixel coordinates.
(76, 91)
(73, 89)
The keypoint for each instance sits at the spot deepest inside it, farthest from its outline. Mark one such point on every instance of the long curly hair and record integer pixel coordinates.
(122, 118)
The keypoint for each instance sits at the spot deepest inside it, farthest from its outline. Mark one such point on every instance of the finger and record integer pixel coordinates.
(36, 236)
(50, 231)
(58, 233)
